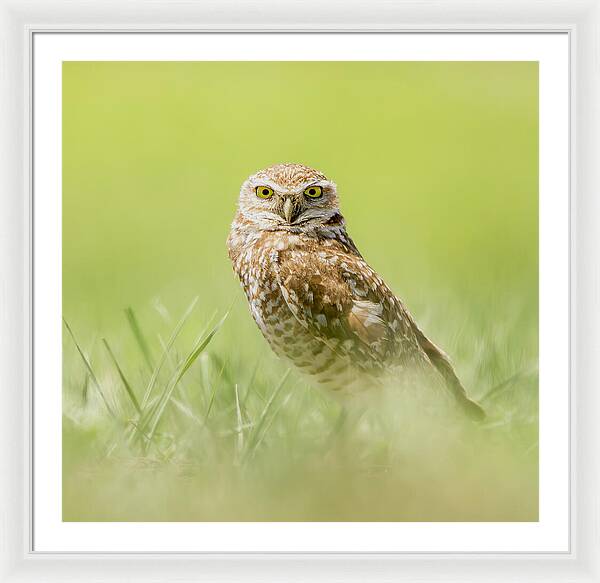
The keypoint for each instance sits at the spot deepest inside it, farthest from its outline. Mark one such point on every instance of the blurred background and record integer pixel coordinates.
(437, 170)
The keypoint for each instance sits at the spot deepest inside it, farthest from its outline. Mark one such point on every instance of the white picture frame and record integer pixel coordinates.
(18, 23)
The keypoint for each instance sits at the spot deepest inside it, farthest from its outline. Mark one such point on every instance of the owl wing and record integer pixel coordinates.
(342, 302)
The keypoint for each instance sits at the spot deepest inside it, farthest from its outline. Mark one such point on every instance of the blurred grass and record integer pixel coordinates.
(436, 164)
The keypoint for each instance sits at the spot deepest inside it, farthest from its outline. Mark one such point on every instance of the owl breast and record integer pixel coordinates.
(256, 265)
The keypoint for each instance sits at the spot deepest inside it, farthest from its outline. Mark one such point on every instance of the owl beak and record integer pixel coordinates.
(288, 210)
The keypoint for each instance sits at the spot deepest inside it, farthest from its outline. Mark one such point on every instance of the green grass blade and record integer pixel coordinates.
(183, 368)
(90, 370)
(240, 422)
(213, 393)
(182, 387)
(122, 376)
(221, 364)
(166, 351)
(251, 380)
(507, 383)
(254, 436)
(139, 337)
(162, 310)
(137, 428)
(85, 388)
(271, 419)
(187, 411)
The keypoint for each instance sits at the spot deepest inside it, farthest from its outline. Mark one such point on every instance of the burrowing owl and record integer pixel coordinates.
(313, 296)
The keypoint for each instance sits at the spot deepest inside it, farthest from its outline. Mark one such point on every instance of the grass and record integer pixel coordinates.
(199, 437)
(167, 416)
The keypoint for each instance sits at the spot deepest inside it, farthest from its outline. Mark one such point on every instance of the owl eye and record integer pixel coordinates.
(264, 192)
(313, 191)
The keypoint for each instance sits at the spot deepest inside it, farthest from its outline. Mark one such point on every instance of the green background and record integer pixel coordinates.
(437, 171)
(436, 165)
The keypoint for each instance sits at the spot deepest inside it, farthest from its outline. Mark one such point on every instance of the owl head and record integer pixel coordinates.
(289, 197)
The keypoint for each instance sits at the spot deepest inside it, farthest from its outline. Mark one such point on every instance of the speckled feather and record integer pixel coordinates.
(313, 296)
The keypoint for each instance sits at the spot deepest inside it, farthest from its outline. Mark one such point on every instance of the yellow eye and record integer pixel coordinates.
(264, 192)
(313, 191)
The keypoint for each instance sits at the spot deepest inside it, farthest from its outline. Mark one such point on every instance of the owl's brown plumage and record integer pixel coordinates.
(313, 296)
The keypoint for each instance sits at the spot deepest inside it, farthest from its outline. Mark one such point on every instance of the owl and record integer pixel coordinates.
(313, 296)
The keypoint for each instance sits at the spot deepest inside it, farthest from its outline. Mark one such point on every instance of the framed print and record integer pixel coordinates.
(192, 434)
(301, 298)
